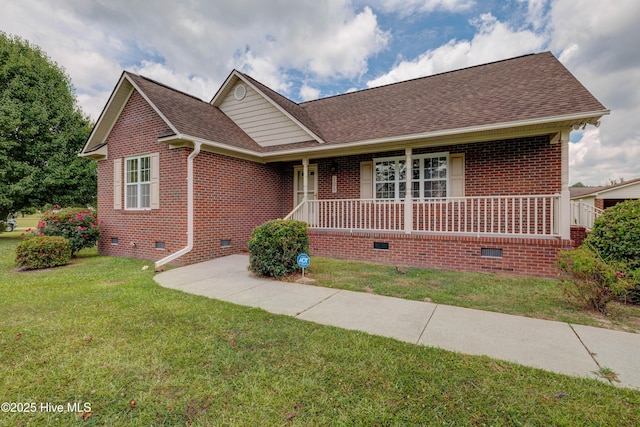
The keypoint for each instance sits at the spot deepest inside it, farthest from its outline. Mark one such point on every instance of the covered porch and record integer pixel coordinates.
(493, 189)
(537, 216)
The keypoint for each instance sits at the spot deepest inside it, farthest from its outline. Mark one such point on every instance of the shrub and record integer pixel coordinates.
(275, 245)
(633, 293)
(588, 280)
(43, 252)
(616, 234)
(78, 225)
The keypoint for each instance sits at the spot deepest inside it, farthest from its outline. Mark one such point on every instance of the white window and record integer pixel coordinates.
(429, 176)
(138, 182)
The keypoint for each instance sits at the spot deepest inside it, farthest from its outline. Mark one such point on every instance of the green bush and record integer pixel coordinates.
(43, 252)
(616, 234)
(78, 225)
(633, 293)
(275, 245)
(588, 280)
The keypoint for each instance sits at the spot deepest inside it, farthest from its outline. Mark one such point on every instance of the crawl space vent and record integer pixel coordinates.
(491, 252)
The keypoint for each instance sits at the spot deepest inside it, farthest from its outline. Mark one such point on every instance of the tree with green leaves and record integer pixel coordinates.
(42, 130)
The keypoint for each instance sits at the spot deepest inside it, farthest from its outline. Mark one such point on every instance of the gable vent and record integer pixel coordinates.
(239, 92)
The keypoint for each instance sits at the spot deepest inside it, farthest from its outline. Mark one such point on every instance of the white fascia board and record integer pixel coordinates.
(217, 98)
(443, 133)
(370, 144)
(215, 146)
(102, 120)
(615, 187)
(155, 108)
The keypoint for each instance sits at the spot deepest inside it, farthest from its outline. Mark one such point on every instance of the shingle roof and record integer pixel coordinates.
(531, 87)
(584, 191)
(192, 116)
(523, 88)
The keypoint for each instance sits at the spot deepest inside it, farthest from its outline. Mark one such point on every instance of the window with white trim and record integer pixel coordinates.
(429, 176)
(138, 182)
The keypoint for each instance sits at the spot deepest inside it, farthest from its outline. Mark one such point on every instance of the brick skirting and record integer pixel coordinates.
(578, 234)
(531, 257)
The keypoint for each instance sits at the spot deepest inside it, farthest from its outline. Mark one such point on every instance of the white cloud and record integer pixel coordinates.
(536, 15)
(194, 45)
(593, 163)
(408, 7)
(598, 46)
(264, 70)
(308, 93)
(493, 41)
(338, 46)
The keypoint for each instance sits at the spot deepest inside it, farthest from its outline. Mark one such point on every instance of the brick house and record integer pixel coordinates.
(482, 152)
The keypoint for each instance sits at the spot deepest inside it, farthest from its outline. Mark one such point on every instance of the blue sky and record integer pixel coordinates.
(307, 49)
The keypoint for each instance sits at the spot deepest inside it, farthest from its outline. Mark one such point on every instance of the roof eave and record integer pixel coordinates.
(549, 124)
(182, 140)
(564, 121)
(104, 124)
(112, 111)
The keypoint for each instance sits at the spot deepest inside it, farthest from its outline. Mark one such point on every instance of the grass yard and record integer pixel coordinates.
(522, 296)
(28, 221)
(100, 331)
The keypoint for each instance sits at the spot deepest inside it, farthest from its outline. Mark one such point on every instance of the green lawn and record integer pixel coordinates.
(101, 331)
(511, 294)
(28, 221)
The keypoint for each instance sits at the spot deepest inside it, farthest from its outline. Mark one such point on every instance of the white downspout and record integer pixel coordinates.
(186, 249)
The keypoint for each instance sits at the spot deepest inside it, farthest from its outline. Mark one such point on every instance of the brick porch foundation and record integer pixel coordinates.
(531, 257)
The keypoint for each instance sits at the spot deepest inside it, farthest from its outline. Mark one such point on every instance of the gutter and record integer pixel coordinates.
(186, 249)
(327, 149)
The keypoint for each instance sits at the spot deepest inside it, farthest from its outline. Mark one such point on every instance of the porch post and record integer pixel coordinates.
(408, 202)
(305, 189)
(565, 197)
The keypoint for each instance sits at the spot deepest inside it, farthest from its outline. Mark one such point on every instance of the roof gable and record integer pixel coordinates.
(186, 116)
(268, 117)
(95, 147)
(525, 95)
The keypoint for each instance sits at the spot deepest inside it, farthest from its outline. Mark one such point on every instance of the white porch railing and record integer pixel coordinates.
(584, 214)
(531, 215)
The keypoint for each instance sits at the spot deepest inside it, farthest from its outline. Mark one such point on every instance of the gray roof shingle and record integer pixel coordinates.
(523, 88)
(529, 87)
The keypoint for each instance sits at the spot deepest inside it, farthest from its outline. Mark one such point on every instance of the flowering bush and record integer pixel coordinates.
(78, 225)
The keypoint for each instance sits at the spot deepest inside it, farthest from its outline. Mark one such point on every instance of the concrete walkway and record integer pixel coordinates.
(554, 346)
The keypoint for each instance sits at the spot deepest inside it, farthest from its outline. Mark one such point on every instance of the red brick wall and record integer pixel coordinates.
(599, 203)
(532, 257)
(578, 234)
(231, 196)
(516, 166)
(136, 132)
(509, 167)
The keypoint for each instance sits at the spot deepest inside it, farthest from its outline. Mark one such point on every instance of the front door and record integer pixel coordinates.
(298, 184)
(312, 189)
